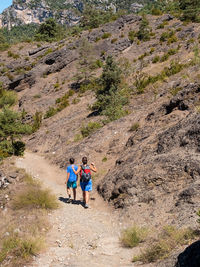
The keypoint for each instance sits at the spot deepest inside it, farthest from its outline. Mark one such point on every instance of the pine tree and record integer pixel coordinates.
(111, 96)
(191, 10)
(144, 30)
(11, 128)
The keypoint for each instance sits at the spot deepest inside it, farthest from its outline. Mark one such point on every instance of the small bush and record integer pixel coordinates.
(156, 59)
(106, 35)
(166, 35)
(162, 25)
(131, 36)
(144, 31)
(104, 159)
(35, 197)
(78, 137)
(37, 121)
(164, 58)
(131, 237)
(134, 127)
(76, 101)
(50, 112)
(172, 39)
(90, 128)
(37, 96)
(169, 239)
(114, 40)
(7, 98)
(16, 247)
(56, 85)
(13, 55)
(19, 148)
(175, 91)
(97, 39)
(156, 12)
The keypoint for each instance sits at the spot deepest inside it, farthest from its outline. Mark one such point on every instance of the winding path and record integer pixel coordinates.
(78, 237)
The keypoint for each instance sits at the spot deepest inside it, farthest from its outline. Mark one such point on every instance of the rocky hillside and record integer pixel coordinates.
(66, 12)
(148, 160)
(158, 142)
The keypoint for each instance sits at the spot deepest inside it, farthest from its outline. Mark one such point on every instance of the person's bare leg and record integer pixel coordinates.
(69, 192)
(84, 196)
(74, 193)
(87, 196)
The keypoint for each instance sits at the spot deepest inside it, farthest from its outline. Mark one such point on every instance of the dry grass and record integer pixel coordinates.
(24, 226)
(132, 236)
(34, 196)
(20, 248)
(170, 239)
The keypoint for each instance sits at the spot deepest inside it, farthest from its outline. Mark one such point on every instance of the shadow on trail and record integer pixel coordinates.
(69, 201)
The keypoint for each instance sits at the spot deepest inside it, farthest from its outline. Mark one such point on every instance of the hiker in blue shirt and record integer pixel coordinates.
(71, 181)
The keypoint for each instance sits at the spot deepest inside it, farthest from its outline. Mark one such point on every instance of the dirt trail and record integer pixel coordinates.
(78, 237)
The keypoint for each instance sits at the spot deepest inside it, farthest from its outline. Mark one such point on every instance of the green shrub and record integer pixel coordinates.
(164, 57)
(98, 63)
(104, 159)
(131, 36)
(144, 31)
(143, 56)
(172, 39)
(111, 96)
(135, 127)
(90, 128)
(19, 148)
(162, 25)
(156, 59)
(6, 149)
(56, 85)
(37, 96)
(11, 128)
(35, 197)
(131, 237)
(114, 40)
(175, 91)
(156, 12)
(106, 35)
(37, 121)
(13, 55)
(7, 98)
(97, 39)
(50, 112)
(50, 31)
(78, 137)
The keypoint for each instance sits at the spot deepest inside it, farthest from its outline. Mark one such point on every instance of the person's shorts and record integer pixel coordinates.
(72, 185)
(86, 186)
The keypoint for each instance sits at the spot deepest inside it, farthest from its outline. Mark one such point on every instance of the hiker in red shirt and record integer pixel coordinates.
(85, 179)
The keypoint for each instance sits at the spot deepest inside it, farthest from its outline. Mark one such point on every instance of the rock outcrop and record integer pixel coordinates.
(161, 164)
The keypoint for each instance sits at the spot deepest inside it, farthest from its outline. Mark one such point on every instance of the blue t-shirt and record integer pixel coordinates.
(72, 175)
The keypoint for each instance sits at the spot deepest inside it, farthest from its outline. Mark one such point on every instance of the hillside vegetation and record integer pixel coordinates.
(124, 91)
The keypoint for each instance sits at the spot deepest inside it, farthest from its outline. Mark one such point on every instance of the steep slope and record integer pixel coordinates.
(160, 116)
(148, 161)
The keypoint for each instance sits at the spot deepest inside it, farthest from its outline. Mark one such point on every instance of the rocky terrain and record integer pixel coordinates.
(66, 12)
(148, 161)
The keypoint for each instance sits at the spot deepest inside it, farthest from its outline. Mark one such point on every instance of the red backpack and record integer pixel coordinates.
(85, 173)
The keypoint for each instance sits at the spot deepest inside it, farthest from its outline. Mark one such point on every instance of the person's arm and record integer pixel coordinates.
(68, 173)
(76, 172)
(67, 177)
(93, 167)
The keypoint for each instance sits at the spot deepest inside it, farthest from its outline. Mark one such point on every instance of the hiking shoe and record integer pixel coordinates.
(86, 206)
